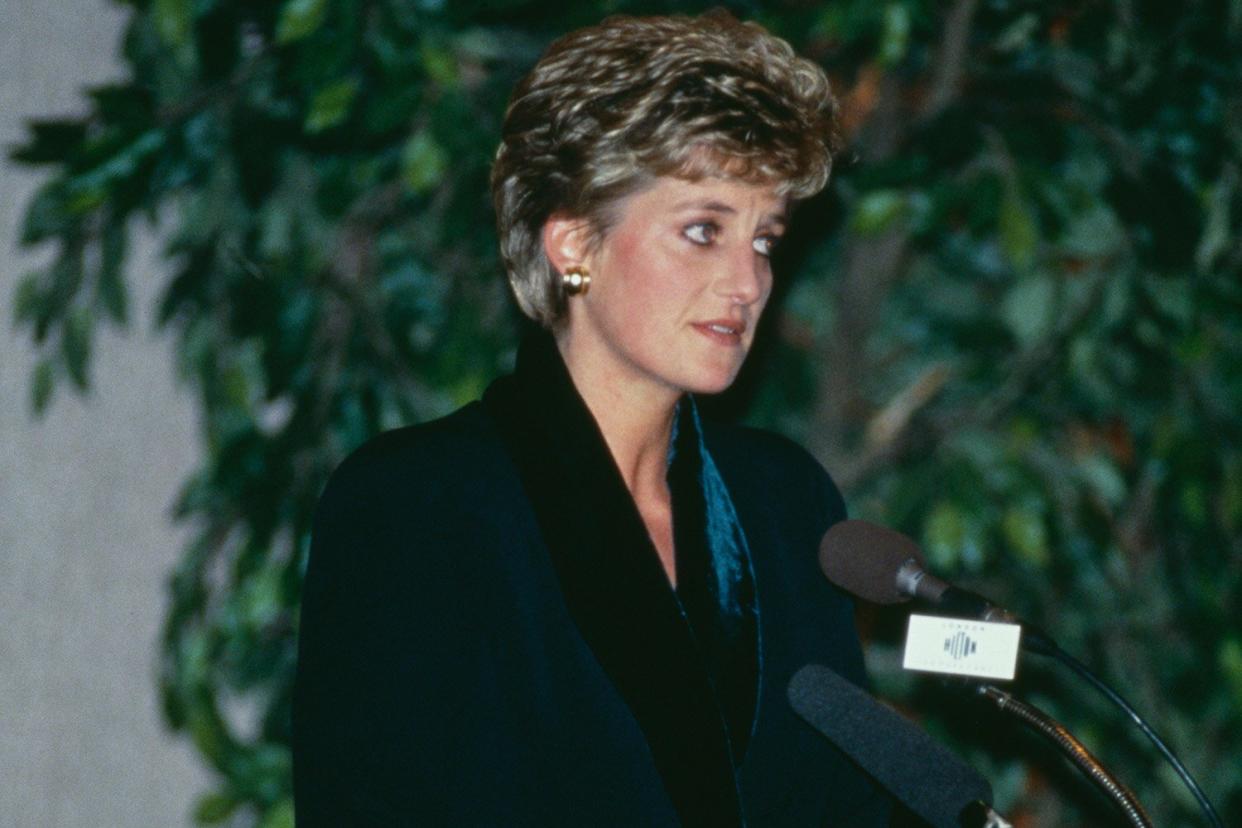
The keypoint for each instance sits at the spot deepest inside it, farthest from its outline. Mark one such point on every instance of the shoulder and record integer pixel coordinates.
(434, 461)
(758, 445)
(458, 441)
(786, 502)
(430, 495)
(767, 464)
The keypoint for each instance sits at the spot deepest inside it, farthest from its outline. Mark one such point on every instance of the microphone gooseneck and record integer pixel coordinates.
(1077, 753)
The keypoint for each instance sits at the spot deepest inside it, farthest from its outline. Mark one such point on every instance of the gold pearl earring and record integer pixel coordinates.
(576, 280)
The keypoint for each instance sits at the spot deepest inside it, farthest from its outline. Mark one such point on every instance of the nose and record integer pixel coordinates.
(745, 277)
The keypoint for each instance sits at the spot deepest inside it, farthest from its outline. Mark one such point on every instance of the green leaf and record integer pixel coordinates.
(877, 210)
(280, 816)
(1230, 660)
(1103, 478)
(830, 22)
(51, 141)
(423, 162)
(214, 808)
(42, 384)
(208, 731)
(76, 345)
(440, 66)
(1231, 497)
(111, 285)
(895, 41)
(1118, 304)
(28, 299)
(1094, 233)
(299, 19)
(1019, 235)
(47, 214)
(331, 105)
(1024, 530)
(1174, 297)
(1194, 504)
(1218, 233)
(197, 353)
(173, 19)
(485, 45)
(1018, 34)
(945, 534)
(259, 598)
(63, 287)
(89, 189)
(1029, 308)
(275, 230)
(468, 387)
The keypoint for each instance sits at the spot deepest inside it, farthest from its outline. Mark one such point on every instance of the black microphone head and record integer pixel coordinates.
(922, 774)
(863, 558)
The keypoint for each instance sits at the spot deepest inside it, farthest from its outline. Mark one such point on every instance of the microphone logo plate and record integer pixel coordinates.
(962, 647)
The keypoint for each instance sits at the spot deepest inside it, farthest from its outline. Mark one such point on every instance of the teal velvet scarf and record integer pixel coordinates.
(715, 581)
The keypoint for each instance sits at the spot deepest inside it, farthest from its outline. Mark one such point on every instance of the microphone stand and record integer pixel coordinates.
(1073, 749)
(1037, 641)
(1043, 644)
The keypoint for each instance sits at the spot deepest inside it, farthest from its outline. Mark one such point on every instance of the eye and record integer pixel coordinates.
(765, 244)
(702, 233)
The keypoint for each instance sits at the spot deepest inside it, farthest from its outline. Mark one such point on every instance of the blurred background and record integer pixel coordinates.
(241, 237)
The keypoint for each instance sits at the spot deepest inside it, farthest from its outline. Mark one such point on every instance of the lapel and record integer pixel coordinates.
(791, 774)
(613, 583)
(765, 775)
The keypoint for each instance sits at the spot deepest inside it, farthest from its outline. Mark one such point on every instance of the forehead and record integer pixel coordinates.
(748, 201)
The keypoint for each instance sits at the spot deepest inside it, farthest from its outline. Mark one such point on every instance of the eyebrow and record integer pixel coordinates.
(721, 207)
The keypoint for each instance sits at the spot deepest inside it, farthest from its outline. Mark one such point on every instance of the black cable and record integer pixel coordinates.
(1081, 669)
(1037, 641)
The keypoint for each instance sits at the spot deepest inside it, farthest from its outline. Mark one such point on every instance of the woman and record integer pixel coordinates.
(572, 603)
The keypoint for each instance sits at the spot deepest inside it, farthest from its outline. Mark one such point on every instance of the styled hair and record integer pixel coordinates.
(609, 108)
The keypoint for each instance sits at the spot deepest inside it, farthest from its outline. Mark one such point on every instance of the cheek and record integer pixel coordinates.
(767, 292)
(651, 281)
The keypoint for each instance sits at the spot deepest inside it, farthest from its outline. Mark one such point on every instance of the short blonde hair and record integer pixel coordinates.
(609, 108)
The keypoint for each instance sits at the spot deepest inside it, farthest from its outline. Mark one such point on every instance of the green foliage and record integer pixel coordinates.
(1011, 328)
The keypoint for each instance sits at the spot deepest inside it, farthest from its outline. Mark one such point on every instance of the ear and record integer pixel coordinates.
(565, 241)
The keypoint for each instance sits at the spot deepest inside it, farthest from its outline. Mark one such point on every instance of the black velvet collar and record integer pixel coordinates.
(613, 583)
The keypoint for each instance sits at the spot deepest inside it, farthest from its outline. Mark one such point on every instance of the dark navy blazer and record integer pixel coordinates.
(481, 644)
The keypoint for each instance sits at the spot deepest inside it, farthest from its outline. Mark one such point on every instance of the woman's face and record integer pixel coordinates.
(677, 285)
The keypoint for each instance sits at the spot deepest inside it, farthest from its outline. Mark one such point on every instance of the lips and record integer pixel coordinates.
(724, 331)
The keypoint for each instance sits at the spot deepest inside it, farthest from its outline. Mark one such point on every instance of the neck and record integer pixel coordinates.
(635, 418)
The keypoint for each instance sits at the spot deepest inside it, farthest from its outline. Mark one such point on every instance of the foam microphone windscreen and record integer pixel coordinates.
(863, 558)
(918, 771)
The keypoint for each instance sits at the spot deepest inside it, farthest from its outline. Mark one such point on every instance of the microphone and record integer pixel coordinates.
(926, 777)
(886, 567)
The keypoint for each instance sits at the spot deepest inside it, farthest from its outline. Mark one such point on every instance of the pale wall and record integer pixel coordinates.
(85, 540)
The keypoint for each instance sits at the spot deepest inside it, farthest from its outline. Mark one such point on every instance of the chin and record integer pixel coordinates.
(711, 381)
